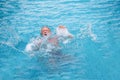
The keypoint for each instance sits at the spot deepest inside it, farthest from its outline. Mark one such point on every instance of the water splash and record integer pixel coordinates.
(9, 36)
(36, 47)
(87, 32)
(42, 44)
(64, 35)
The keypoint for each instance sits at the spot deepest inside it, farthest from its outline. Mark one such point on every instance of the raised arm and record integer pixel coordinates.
(63, 32)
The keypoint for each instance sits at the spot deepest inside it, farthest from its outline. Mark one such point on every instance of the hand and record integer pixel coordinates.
(62, 27)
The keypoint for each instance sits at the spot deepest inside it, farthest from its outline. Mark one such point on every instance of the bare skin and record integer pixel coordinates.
(45, 31)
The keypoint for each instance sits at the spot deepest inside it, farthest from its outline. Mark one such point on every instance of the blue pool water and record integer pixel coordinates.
(93, 54)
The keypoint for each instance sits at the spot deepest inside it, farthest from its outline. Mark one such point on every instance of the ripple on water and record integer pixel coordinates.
(91, 55)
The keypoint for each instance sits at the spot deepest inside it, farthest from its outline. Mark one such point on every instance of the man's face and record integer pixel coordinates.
(45, 31)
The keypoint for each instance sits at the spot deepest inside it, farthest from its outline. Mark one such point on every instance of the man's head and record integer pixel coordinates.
(45, 31)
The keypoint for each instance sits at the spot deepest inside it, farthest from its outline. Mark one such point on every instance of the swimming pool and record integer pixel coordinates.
(93, 54)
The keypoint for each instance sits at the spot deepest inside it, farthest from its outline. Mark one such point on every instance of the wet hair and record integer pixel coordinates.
(42, 29)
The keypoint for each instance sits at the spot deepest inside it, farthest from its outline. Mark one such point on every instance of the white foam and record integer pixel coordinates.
(87, 32)
(63, 32)
(92, 35)
(37, 44)
(29, 47)
(33, 45)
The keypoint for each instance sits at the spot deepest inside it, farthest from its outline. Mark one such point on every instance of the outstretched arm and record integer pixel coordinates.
(63, 32)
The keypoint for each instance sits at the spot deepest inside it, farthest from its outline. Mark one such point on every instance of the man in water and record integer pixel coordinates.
(47, 38)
